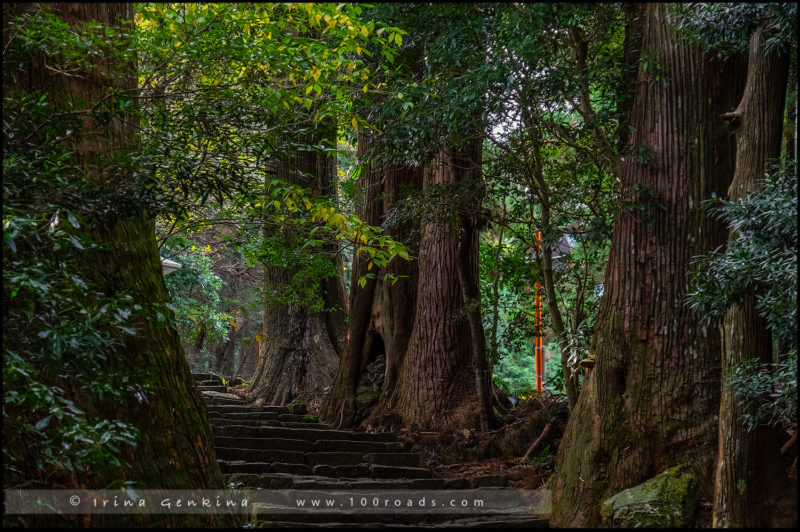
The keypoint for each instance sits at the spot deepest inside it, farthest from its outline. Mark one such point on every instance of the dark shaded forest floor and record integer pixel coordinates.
(495, 458)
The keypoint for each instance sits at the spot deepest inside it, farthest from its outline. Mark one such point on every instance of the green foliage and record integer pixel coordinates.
(59, 331)
(726, 27)
(195, 291)
(767, 393)
(760, 257)
(234, 90)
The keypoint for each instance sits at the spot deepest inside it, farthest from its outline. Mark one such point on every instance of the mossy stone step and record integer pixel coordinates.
(299, 418)
(217, 388)
(224, 422)
(309, 434)
(207, 377)
(324, 470)
(244, 408)
(218, 399)
(210, 382)
(498, 522)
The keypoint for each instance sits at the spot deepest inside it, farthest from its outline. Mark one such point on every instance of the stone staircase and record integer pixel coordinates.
(284, 448)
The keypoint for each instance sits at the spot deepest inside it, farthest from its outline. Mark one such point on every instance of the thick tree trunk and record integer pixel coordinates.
(380, 307)
(470, 293)
(340, 403)
(174, 449)
(749, 479)
(301, 348)
(436, 385)
(653, 396)
(395, 304)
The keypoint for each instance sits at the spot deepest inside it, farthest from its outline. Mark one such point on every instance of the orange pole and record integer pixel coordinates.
(539, 348)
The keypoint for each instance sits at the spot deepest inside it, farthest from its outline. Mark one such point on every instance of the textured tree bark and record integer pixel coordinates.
(395, 304)
(653, 396)
(436, 385)
(631, 51)
(470, 293)
(301, 348)
(380, 307)
(750, 481)
(340, 403)
(174, 449)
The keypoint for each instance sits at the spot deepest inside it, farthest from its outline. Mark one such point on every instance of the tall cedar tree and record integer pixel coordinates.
(174, 449)
(433, 341)
(380, 311)
(750, 482)
(302, 347)
(653, 396)
(437, 386)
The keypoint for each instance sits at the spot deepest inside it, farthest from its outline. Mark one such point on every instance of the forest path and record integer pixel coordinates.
(283, 448)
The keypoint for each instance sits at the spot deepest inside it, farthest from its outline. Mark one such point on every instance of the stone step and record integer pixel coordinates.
(361, 446)
(289, 481)
(394, 459)
(296, 457)
(321, 446)
(308, 434)
(244, 408)
(305, 424)
(342, 471)
(278, 444)
(245, 416)
(324, 470)
(207, 377)
(261, 455)
(217, 399)
(225, 422)
(240, 466)
(502, 521)
(274, 481)
(478, 523)
(333, 517)
(211, 382)
(216, 388)
(386, 471)
(335, 459)
(298, 418)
